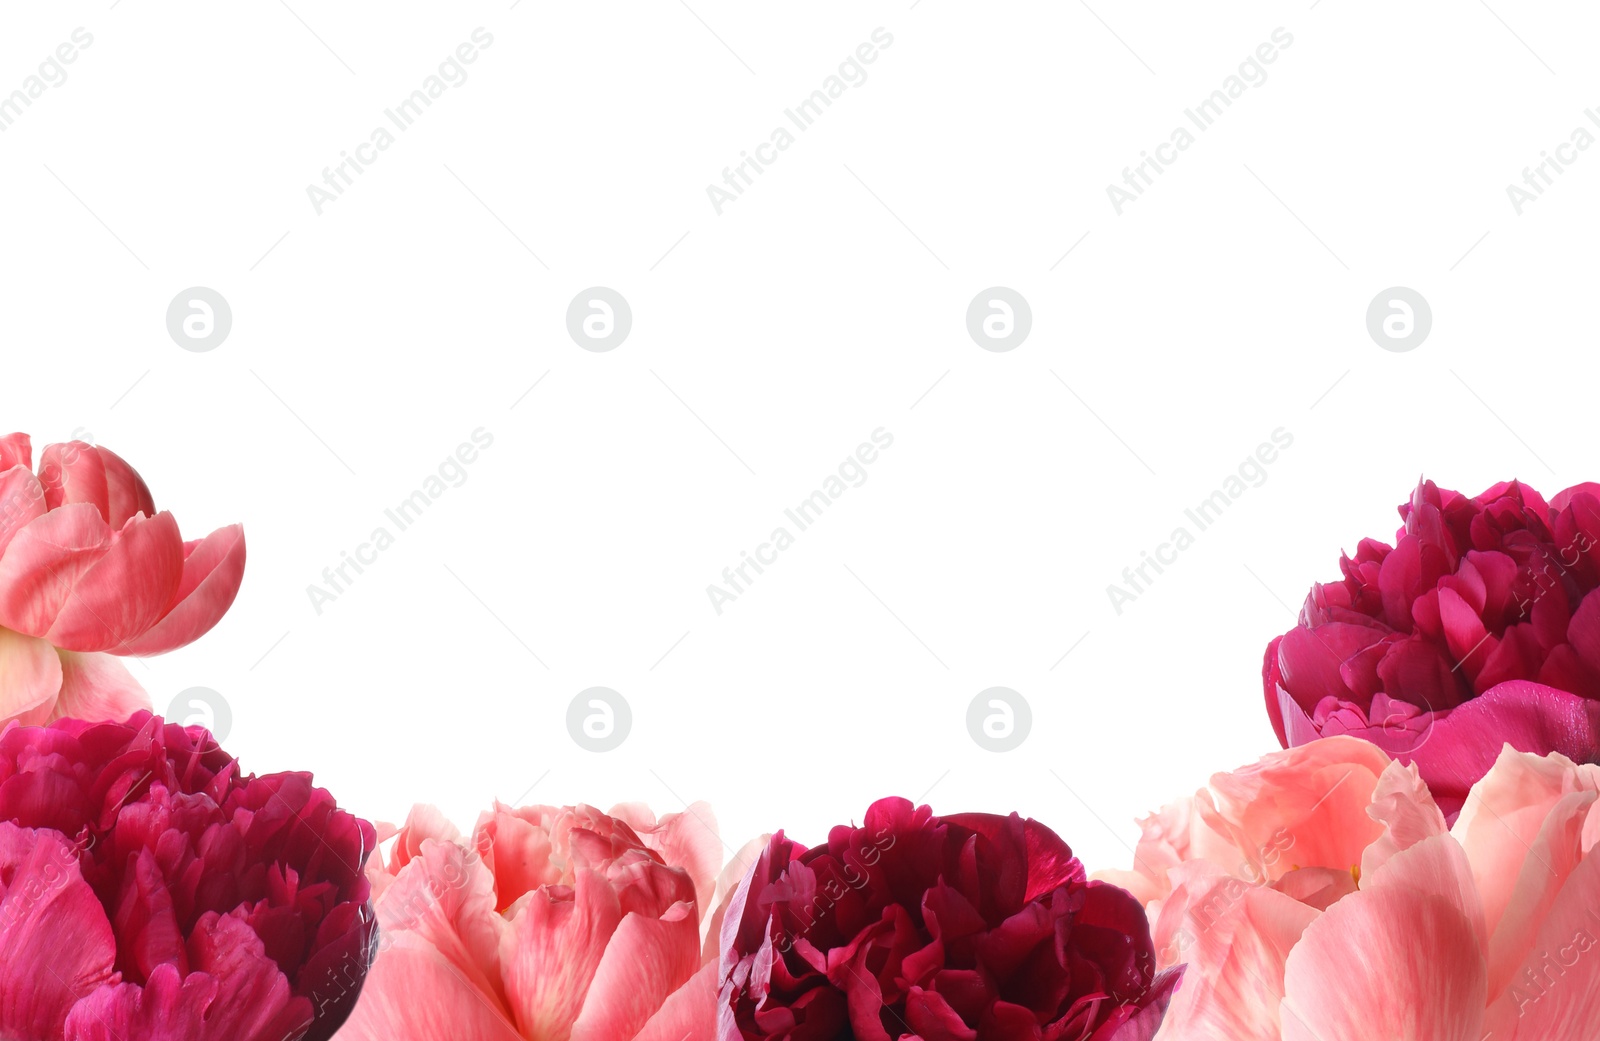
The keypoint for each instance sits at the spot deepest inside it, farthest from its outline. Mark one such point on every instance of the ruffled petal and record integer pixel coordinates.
(212, 571)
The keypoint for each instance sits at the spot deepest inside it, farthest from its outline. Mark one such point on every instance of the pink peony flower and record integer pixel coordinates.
(1319, 895)
(150, 892)
(549, 924)
(1480, 626)
(89, 569)
(972, 927)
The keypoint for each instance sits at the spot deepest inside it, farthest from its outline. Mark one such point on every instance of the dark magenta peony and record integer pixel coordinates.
(973, 927)
(150, 892)
(1478, 628)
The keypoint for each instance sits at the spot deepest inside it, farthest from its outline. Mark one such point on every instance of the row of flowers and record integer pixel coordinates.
(1414, 864)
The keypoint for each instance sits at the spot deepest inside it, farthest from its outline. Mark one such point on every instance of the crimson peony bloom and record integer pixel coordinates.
(549, 924)
(1479, 627)
(89, 569)
(973, 927)
(151, 892)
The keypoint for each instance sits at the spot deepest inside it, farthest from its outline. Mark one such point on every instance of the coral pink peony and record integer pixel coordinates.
(549, 924)
(1319, 895)
(88, 569)
(150, 892)
(1481, 625)
(966, 928)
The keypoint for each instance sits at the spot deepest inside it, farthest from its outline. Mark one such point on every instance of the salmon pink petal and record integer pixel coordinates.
(689, 1014)
(422, 823)
(444, 900)
(16, 450)
(97, 686)
(56, 941)
(30, 678)
(646, 960)
(1404, 806)
(44, 561)
(688, 840)
(125, 592)
(553, 948)
(126, 492)
(1556, 989)
(1505, 815)
(74, 472)
(1356, 975)
(1235, 938)
(414, 993)
(212, 571)
(1552, 858)
(21, 501)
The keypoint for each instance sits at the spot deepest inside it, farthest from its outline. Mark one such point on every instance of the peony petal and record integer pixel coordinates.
(42, 563)
(125, 592)
(1355, 975)
(127, 494)
(1555, 993)
(415, 993)
(687, 840)
(212, 571)
(645, 962)
(98, 688)
(74, 472)
(553, 947)
(1404, 806)
(57, 944)
(689, 1014)
(733, 873)
(21, 501)
(1236, 938)
(30, 678)
(16, 450)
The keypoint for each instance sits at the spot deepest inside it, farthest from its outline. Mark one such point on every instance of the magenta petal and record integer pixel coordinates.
(55, 943)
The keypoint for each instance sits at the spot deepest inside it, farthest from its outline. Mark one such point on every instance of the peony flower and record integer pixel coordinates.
(1479, 626)
(549, 924)
(150, 892)
(1319, 895)
(974, 927)
(89, 569)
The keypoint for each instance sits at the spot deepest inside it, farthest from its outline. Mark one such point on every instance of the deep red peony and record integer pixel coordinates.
(973, 927)
(1479, 627)
(150, 892)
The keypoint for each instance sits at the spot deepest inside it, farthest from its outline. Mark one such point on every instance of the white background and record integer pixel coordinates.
(768, 341)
